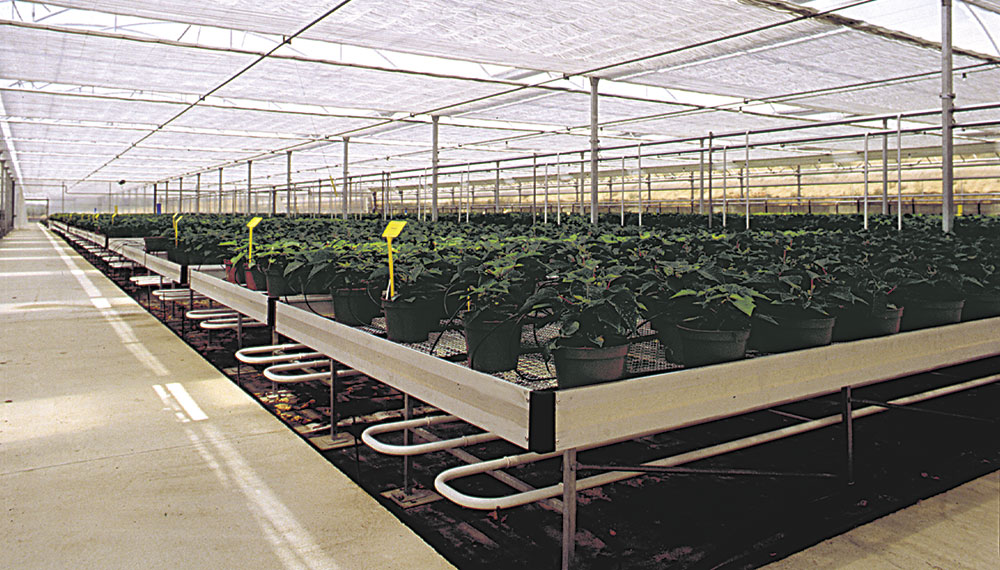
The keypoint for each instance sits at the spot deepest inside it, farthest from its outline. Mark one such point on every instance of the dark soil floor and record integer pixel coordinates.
(669, 521)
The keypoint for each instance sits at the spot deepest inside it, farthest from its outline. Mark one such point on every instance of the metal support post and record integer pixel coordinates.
(899, 172)
(344, 200)
(866, 183)
(220, 190)
(496, 191)
(847, 420)
(746, 167)
(534, 185)
(593, 149)
(249, 185)
(407, 415)
(725, 186)
(569, 508)
(434, 167)
(288, 186)
(180, 195)
(334, 418)
(947, 121)
(885, 167)
(711, 145)
(197, 193)
(166, 196)
(701, 176)
(545, 208)
(638, 179)
(798, 184)
(623, 193)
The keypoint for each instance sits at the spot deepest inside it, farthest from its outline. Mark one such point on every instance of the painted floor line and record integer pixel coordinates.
(191, 408)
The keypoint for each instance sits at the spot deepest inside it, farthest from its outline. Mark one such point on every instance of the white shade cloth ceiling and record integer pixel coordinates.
(807, 64)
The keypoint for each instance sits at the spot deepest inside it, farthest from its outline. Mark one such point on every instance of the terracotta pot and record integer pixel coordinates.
(255, 279)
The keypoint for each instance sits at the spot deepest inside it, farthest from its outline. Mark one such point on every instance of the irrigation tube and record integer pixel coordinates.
(518, 499)
(368, 436)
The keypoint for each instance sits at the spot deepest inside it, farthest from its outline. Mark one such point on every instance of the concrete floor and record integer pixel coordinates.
(120, 447)
(956, 530)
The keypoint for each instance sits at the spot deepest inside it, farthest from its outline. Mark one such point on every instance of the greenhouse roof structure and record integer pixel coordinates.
(93, 92)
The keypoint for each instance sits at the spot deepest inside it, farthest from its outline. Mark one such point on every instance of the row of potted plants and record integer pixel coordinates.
(798, 281)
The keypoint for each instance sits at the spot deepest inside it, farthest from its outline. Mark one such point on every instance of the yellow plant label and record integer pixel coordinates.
(253, 223)
(393, 230)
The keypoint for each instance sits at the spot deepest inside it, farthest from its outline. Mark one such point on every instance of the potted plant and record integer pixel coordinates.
(410, 313)
(343, 269)
(980, 262)
(932, 294)
(796, 315)
(719, 329)
(597, 311)
(494, 299)
(861, 297)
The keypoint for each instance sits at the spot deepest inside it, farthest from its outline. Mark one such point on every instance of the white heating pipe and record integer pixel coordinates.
(273, 373)
(274, 354)
(224, 323)
(368, 436)
(201, 314)
(518, 499)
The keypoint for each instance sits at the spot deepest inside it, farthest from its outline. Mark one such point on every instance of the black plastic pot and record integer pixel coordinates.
(156, 243)
(255, 279)
(353, 307)
(277, 285)
(922, 313)
(178, 256)
(981, 307)
(579, 366)
(407, 321)
(863, 323)
(492, 345)
(795, 330)
(712, 347)
(669, 337)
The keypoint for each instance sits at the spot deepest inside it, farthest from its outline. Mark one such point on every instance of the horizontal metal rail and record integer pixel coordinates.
(441, 482)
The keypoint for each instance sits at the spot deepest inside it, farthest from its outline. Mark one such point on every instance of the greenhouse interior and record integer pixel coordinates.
(701, 284)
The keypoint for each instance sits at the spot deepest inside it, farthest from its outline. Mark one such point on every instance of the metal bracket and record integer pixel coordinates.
(415, 498)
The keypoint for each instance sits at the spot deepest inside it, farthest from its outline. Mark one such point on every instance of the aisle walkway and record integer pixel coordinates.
(120, 447)
(956, 530)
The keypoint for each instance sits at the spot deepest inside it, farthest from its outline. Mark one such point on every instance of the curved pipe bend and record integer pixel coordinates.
(368, 436)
